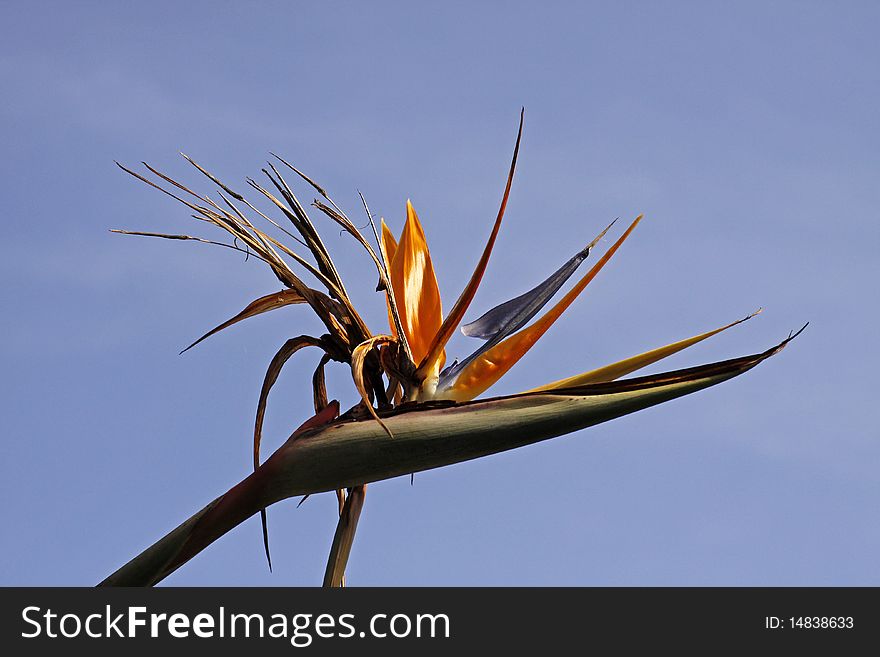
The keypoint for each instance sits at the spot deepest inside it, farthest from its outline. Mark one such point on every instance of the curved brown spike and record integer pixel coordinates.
(213, 178)
(453, 319)
(160, 188)
(281, 357)
(319, 391)
(190, 238)
(257, 307)
(358, 358)
(317, 187)
(258, 241)
(319, 385)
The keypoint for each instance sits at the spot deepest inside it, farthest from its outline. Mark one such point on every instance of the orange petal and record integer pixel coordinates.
(415, 287)
(492, 365)
(435, 353)
(389, 248)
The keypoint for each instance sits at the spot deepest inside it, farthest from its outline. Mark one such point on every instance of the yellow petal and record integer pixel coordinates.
(629, 365)
(415, 287)
(435, 353)
(389, 248)
(492, 365)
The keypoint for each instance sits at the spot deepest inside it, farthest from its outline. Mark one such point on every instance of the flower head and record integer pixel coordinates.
(405, 370)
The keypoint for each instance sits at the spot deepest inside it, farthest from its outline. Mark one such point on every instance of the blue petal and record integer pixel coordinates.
(509, 317)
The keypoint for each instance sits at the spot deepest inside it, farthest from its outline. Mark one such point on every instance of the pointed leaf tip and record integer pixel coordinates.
(433, 360)
(257, 307)
(626, 366)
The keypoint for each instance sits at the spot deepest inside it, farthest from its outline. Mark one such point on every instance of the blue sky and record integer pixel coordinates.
(746, 133)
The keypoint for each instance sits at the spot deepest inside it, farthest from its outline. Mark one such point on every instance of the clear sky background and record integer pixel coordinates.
(746, 132)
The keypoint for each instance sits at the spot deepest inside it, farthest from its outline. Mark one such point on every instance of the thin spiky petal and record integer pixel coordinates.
(319, 385)
(621, 368)
(281, 357)
(435, 355)
(257, 307)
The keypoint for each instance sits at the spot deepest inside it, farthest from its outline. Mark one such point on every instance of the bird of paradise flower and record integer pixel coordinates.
(427, 411)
